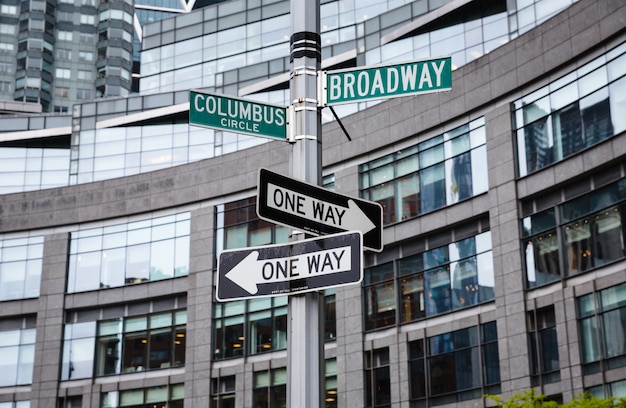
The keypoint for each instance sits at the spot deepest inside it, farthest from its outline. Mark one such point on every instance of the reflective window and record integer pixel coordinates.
(20, 267)
(377, 378)
(529, 13)
(270, 388)
(544, 350)
(123, 254)
(589, 233)
(426, 284)
(124, 344)
(171, 396)
(250, 327)
(27, 169)
(223, 392)
(455, 366)
(15, 404)
(615, 389)
(17, 351)
(572, 113)
(441, 171)
(602, 329)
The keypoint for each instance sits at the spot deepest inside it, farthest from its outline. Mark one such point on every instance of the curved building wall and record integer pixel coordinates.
(511, 318)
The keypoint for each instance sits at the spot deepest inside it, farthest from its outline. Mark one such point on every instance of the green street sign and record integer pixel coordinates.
(361, 84)
(237, 115)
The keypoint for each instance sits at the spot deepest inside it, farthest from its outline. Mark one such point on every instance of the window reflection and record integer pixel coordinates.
(602, 327)
(571, 114)
(441, 171)
(123, 254)
(436, 281)
(17, 351)
(20, 267)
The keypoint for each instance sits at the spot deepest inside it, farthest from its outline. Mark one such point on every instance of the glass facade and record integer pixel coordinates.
(576, 236)
(441, 171)
(27, 169)
(455, 366)
(117, 152)
(377, 378)
(170, 396)
(223, 392)
(270, 388)
(20, 267)
(602, 329)
(464, 42)
(572, 113)
(543, 345)
(124, 254)
(440, 280)
(125, 344)
(17, 352)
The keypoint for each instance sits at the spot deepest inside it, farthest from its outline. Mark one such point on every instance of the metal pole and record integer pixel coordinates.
(305, 365)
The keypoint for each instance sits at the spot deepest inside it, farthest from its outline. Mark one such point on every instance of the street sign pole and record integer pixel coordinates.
(305, 361)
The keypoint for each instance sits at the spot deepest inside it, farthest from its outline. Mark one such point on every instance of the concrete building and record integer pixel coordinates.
(504, 265)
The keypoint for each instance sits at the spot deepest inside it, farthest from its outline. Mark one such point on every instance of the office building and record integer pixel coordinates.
(503, 268)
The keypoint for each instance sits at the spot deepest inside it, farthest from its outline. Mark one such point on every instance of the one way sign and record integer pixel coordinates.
(301, 266)
(316, 210)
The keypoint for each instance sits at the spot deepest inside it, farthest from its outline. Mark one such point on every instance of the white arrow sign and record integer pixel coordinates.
(348, 219)
(316, 210)
(251, 272)
(301, 266)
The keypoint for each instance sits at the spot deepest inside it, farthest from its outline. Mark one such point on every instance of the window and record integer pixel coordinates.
(440, 171)
(9, 29)
(456, 366)
(82, 93)
(417, 371)
(544, 350)
(63, 73)
(63, 54)
(270, 388)
(541, 249)
(439, 280)
(87, 38)
(61, 92)
(84, 75)
(17, 351)
(250, 327)
(16, 404)
(5, 86)
(223, 392)
(171, 396)
(8, 10)
(125, 254)
(577, 235)
(87, 19)
(6, 47)
(573, 113)
(6, 68)
(377, 378)
(85, 56)
(20, 267)
(64, 35)
(124, 344)
(602, 328)
(615, 389)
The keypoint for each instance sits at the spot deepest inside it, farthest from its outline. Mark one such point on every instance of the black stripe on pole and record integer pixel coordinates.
(306, 44)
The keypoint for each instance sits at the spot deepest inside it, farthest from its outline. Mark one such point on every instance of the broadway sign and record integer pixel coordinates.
(301, 266)
(360, 84)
